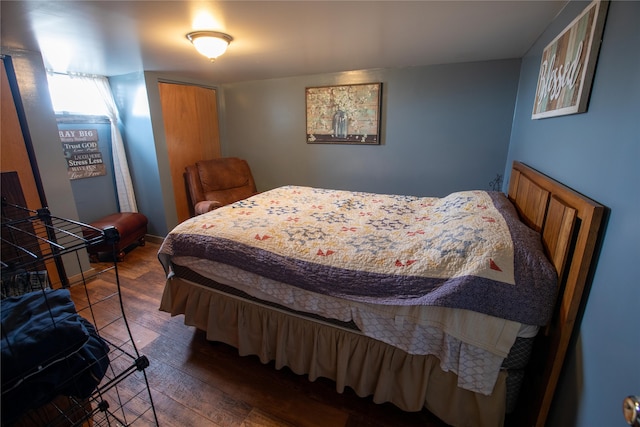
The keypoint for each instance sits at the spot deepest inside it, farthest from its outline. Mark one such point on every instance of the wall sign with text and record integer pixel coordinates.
(568, 64)
(82, 153)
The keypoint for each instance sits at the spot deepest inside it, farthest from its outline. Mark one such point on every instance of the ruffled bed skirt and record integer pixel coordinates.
(317, 349)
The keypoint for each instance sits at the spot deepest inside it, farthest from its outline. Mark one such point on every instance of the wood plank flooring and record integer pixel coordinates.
(195, 382)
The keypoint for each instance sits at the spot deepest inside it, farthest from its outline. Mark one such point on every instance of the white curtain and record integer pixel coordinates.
(124, 185)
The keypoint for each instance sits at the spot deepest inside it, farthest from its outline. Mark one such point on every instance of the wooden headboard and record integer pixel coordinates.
(569, 224)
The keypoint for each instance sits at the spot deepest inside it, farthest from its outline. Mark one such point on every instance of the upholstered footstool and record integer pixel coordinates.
(131, 227)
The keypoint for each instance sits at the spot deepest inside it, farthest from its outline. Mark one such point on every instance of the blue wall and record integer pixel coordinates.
(444, 128)
(130, 94)
(596, 153)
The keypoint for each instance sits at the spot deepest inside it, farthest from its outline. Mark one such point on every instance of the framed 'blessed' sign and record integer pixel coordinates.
(568, 64)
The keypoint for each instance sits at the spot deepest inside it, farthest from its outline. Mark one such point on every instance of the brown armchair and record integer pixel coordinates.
(218, 182)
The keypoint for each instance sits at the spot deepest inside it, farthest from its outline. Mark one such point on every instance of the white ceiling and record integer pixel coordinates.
(271, 38)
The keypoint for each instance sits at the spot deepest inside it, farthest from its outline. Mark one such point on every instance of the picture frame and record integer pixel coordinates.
(344, 114)
(568, 65)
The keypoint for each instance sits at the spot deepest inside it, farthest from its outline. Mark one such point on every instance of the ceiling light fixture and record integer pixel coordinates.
(210, 43)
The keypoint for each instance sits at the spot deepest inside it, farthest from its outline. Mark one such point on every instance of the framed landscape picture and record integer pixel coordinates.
(568, 64)
(347, 114)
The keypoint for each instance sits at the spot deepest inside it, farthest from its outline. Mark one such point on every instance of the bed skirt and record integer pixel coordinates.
(318, 349)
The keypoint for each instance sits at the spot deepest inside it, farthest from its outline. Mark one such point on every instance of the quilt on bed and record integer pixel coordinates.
(467, 250)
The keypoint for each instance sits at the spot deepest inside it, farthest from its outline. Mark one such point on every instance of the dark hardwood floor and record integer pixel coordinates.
(195, 382)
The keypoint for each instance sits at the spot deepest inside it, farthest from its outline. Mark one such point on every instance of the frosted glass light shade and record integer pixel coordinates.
(210, 43)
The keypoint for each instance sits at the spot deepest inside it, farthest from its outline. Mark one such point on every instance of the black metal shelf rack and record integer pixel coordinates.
(37, 247)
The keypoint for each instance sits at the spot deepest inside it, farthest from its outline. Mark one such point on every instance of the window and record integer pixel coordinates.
(74, 95)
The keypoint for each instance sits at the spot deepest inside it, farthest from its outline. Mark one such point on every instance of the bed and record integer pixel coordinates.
(448, 304)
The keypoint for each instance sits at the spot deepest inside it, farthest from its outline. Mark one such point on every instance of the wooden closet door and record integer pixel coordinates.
(190, 115)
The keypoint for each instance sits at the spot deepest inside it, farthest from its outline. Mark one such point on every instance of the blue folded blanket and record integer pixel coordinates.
(47, 350)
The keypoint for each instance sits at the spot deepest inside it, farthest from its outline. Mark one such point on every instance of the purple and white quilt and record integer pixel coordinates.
(466, 250)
